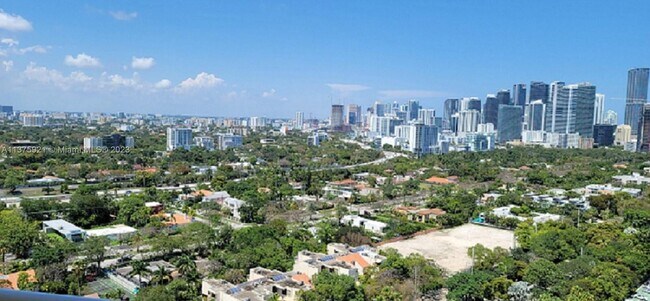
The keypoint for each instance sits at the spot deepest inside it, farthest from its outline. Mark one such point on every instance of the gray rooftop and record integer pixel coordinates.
(62, 226)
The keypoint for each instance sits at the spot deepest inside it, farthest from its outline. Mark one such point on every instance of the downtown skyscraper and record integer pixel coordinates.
(637, 96)
(537, 91)
(571, 109)
(353, 116)
(509, 122)
(519, 95)
(451, 108)
(336, 118)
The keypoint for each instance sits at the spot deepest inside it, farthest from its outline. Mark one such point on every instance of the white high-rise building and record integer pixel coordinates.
(468, 121)
(129, 141)
(599, 109)
(225, 141)
(300, 120)
(611, 117)
(179, 138)
(485, 128)
(257, 122)
(91, 143)
(552, 108)
(204, 142)
(32, 120)
(380, 125)
(420, 139)
(571, 109)
(470, 103)
(427, 116)
(623, 134)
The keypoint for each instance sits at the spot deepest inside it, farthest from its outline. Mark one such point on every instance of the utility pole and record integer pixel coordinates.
(416, 296)
(473, 258)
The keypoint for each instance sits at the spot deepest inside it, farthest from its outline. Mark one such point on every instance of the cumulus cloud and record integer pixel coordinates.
(49, 76)
(123, 16)
(8, 65)
(142, 63)
(10, 42)
(13, 22)
(268, 93)
(347, 88)
(410, 93)
(202, 80)
(116, 80)
(82, 60)
(163, 84)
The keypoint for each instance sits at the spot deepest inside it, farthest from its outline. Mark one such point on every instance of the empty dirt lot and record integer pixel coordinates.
(449, 247)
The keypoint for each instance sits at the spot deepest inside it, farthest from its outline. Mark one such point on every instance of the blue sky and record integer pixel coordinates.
(272, 58)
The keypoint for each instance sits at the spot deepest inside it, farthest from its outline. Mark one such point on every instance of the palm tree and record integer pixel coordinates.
(185, 265)
(78, 273)
(161, 276)
(137, 241)
(139, 268)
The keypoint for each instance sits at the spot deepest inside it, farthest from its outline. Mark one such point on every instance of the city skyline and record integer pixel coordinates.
(181, 60)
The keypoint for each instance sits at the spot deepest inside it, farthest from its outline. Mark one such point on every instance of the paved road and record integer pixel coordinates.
(387, 156)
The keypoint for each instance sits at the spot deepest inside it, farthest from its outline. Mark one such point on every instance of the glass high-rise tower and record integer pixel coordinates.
(637, 96)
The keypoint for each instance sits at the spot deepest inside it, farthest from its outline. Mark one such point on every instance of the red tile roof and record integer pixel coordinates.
(439, 180)
(302, 278)
(354, 258)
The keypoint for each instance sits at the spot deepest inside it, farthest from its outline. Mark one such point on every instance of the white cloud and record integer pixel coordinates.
(410, 93)
(8, 65)
(50, 76)
(118, 80)
(347, 88)
(12, 48)
(13, 22)
(268, 93)
(123, 16)
(10, 42)
(78, 76)
(82, 61)
(163, 84)
(35, 49)
(142, 63)
(202, 80)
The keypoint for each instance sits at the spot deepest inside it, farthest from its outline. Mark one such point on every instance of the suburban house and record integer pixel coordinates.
(218, 197)
(234, 204)
(155, 207)
(65, 229)
(635, 178)
(441, 181)
(364, 223)
(420, 215)
(262, 284)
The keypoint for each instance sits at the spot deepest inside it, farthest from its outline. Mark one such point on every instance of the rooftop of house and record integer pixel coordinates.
(345, 182)
(440, 181)
(434, 211)
(62, 226)
(202, 192)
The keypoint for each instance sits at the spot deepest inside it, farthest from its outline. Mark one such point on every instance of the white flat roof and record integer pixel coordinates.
(62, 226)
(112, 230)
